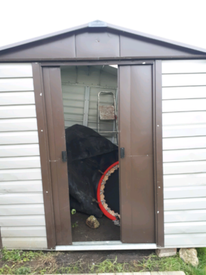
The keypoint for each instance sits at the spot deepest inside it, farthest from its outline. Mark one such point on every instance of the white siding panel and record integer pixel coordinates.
(183, 105)
(185, 228)
(20, 174)
(24, 124)
(22, 209)
(183, 80)
(185, 240)
(11, 85)
(20, 186)
(21, 198)
(19, 150)
(30, 220)
(15, 70)
(22, 217)
(184, 143)
(34, 231)
(184, 180)
(27, 243)
(185, 216)
(184, 167)
(17, 111)
(184, 118)
(17, 98)
(184, 66)
(185, 192)
(184, 130)
(184, 92)
(184, 155)
(185, 204)
(19, 138)
(20, 163)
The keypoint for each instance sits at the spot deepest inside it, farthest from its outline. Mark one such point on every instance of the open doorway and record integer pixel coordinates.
(90, 105)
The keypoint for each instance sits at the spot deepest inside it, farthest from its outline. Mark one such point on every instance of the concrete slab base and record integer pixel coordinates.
(166, 252)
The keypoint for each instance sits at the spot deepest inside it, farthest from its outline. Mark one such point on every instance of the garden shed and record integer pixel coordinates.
(52, 82)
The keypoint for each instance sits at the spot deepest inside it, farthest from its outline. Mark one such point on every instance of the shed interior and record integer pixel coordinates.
(81, 87)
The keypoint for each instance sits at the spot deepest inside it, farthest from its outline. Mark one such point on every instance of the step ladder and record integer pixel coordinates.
(108, 113)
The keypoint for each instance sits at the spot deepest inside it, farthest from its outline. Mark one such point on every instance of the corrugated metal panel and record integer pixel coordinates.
(17, 111)
(22, 137)
(184, 155)
(183, 118)
(184, 130)
(75, 82)
(15, 70)
(27, 220)
(184, 152)
(183, 66)
(184, 167)
(185, 179)
(184, 92)
(184, 204)
(188, 105)
(13, 125)
(185, 228)
(21, 186)
(185, 240)
(25, 242)
(22, 209)
(15, 84)
(172, 80)
(19, 150)
(17, 98)
(22, 218)
(185, 192)
(32, 231)
(20, 163)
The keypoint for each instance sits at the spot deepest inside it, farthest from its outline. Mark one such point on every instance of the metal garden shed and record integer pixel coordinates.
(51, 82)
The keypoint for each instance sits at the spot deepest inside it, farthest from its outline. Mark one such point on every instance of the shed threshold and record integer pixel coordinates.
(104, 245)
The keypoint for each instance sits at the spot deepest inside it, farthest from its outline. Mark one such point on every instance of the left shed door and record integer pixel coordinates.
(57, 144)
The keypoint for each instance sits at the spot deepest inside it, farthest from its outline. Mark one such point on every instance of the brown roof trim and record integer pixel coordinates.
(98, 25)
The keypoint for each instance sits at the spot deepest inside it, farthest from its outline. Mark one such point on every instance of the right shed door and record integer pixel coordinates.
(136, 167)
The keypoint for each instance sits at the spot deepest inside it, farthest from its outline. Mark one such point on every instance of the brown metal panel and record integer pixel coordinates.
(100, 26)
(140, 47)
(54, 48)
(158, 156)
(44, 155)
(97, 44)
(136, 169)
(56, 130)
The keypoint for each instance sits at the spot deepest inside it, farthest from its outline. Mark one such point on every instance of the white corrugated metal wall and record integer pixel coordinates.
(184, 152)
(81, 85)
(22, 219)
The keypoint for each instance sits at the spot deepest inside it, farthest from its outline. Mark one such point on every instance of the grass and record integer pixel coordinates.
(27, 262)
(175, 263)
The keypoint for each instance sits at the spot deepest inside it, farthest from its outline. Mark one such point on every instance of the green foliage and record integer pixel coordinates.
(22, 270)
(6, 270)
(19, 255)
(71, 269)
(73, 211)
(109, 266)
(175, 263)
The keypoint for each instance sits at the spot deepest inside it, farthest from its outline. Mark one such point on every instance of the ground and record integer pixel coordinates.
(38, 262)
(107, 231)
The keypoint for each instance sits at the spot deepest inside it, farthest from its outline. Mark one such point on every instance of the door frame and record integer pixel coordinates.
(42, 122)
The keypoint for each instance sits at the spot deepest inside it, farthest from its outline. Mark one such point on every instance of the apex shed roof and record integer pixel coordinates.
(98, 40)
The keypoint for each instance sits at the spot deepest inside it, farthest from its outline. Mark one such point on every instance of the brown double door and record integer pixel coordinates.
(136, 167)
